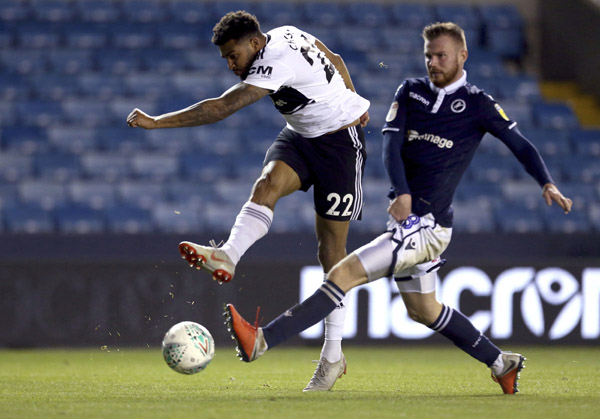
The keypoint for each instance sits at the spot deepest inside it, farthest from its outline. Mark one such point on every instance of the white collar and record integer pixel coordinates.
(451, 88)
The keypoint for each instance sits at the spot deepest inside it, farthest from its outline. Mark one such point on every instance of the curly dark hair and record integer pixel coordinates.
(235, 25)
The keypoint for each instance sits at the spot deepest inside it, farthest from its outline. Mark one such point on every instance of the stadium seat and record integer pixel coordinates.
(163, 62)
(26, 140)
(204, 167)
(119, 61)
(524, 192)
(174, 218)
(54, 87)
(159, 166)
(57, 166)
(97, 10)
(558, 222)
(549, 142)
(43, 193)
(52, 10)
(204, 60)
(151, 85)
(41, 113)
(579, 168)
(213, 140)
(128, 219)
(120, 107)
(79, 219)
(183, 36)
(190, 193)
(14, 11)
(557, 116)
(133, 35)
(29, 219)
(85, 35)
(219, 217)
(110, 167)
(222, 7)
(484, 65)
(14, 87)
(518, 219)
(8, 114)
(146, 11)
(37, 35)
(272, 14)
(72, 139)
(509, 43)
(501, 15)
(324, 13)
(360, 38)
(471, 191)
(490, 168)
(94, 194)
(8, 195)
(15, 166)
(70, 61)
(520, 88)
(191, 12)
(23, 61)
(520, 112)
(86, 112)
(142, 194)
(594, 215)
(586, 142)
(492, 145)
(473, 217)
(101, 86)
(234, 193)
(412, 15)
(368, 14)
(464, 15)
(121, 139)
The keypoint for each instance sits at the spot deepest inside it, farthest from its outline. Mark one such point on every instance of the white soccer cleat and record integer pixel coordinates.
(326, 374)
(509, 377)
(210, 258)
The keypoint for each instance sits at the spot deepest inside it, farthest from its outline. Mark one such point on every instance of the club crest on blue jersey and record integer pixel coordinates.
(458, 106)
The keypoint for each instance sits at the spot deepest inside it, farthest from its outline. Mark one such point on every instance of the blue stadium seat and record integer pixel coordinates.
(190, 193)
(380, 89)
(52, 10)
(161, 61)
(40, 113)
(549, 142)
(184, 36)
(94, 194)
(119, 61)
(555, 116)
(246, 166)
(72, 139)
(594, 215)
(43, 193)
(473, 217)
(234, 193)
(25, 140)
(110, 167)
(559, 222)
(23, 61)
(15, 167)
(122, 139)
(199, 84)
(204, 167)
(524, 192)
(158, 166)
(222, 7)
(79, 219)
(85, 35)
(412, 15)
(142, 194)
(146, 11)
(220, 217)
(87, 112)
(151, 85)
(70, 61)
(518, 219)
(490, 168)
(579, 168)
(501, 15)
(400, 40)
(175, 218)
(132, 35)
(582, 194)
(57, 166)
(192, 12)
(97, 10)
(586, 141)
(37, 35)
(213, 140)
(204, 60)
(8, 195)
(359, 38)
(464, 15)
(14, 11)
(14, 87)
(128, 219)
(324, 13)
(368, 14)
(470, 191)
(102, 87)
(492, 145)
(54, 87)
(119, 108)
(483, 64)
(29, 219)
(272, 14)
(520, 88)
(8, 114)
(520, 112)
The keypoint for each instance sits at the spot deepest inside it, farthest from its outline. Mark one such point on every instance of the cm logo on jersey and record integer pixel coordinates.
(261, 70)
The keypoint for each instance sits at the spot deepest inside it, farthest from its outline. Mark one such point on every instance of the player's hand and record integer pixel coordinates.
(551, 193)
(400, 208)
(364, 119)
(138, 118)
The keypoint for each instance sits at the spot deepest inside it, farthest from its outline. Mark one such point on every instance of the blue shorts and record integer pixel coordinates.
(333, 163)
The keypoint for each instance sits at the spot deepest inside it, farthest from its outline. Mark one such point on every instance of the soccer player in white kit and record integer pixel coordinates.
(432, 130)
(322, 146)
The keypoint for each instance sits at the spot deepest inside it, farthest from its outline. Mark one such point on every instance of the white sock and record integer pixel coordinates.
(251, 224)
(498, 365)
(334, 329)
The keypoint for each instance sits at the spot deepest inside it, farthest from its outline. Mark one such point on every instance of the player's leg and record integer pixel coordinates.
(422, 306)
(252, 223)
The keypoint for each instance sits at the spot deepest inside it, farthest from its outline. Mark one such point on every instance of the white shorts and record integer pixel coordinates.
(410, 252)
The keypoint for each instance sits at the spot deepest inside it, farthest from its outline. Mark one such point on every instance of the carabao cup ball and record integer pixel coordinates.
(188, 347)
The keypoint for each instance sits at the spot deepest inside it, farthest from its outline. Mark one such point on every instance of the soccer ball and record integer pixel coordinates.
(188, 347)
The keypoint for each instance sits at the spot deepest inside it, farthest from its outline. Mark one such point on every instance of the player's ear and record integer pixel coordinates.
(463, 54)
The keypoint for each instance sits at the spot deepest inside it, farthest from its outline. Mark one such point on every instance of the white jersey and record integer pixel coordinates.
(307, 89)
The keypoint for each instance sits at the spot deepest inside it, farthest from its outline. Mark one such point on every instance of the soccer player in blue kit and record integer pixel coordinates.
(431, 132)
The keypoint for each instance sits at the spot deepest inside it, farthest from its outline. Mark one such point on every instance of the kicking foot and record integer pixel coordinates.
(508, 378)
(326, 374)
(249, 338)
(210, 258)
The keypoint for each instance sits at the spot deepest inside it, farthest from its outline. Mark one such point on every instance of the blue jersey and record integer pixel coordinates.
(439, 131)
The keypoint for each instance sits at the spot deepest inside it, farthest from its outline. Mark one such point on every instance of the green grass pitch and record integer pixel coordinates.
(389, 381)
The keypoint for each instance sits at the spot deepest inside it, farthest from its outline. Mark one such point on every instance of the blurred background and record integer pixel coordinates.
(91, 211)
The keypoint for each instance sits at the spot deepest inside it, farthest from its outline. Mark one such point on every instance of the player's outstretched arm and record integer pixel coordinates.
(202, 113)
(551, 193)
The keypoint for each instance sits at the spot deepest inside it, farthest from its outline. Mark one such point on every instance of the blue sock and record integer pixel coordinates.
(456, 327)
(303, 315)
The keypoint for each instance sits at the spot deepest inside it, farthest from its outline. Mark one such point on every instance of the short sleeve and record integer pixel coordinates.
(270, 74)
